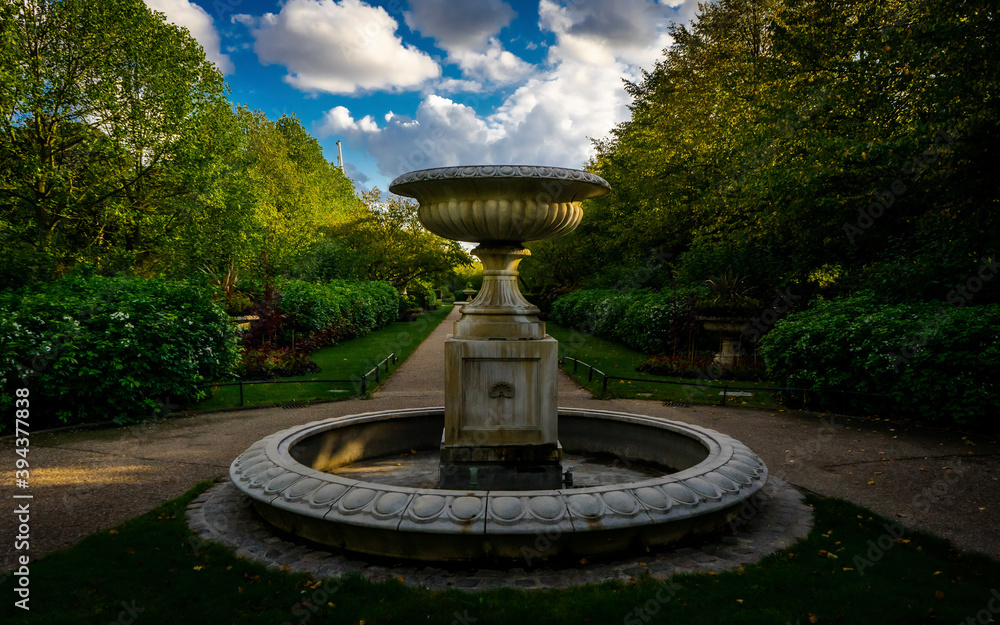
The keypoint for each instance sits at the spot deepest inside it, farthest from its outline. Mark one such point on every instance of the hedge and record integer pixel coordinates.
(646, 320)
(350, 309)
(936, 363)
(93, 349)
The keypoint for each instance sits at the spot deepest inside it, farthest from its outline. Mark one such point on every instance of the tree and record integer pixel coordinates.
(106, 120)
(385, 242)
(808, 144)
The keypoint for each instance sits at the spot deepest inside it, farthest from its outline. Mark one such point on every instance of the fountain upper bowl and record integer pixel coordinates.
(500, 203)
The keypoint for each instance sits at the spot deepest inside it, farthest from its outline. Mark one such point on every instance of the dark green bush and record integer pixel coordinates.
(351, 308)
(94, 349)
(934, 363)
(423, 297)
(649, 321)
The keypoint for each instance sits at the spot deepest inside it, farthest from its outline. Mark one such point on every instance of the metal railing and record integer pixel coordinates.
(359, 382)
(725, 387)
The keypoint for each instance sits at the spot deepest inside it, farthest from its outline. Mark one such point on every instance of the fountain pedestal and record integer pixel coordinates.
(501, 426)
(500, 388)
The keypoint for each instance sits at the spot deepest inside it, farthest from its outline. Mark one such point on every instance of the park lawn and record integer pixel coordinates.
(618, 360)
(155, 566)
(343, 361)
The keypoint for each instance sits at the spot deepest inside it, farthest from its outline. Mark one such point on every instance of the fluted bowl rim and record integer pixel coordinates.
(561, 184)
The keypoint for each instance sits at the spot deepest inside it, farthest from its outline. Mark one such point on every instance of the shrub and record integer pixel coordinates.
(700, 364)
(112, 349)
(267, 364)
(424, 297)
(646, 320)
(340, 309)
(934, 363)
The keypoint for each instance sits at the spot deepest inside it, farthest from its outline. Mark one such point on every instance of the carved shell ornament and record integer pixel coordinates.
(502, 389)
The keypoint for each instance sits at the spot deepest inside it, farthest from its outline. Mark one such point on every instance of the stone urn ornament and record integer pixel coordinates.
(500, 365)
(468, 292)
(727, 314)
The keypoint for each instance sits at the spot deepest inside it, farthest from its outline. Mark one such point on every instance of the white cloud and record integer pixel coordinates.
(495, 64)
(551, 115)
(467, 32)
(199, 23)
(338, 47)
(338, 120)
(457, 85)
(465, 25)
(597, 32)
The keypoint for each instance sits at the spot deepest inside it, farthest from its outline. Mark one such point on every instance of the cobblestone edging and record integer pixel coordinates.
(768, 523)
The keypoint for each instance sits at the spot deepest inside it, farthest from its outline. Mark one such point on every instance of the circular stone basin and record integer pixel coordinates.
(291, 477)
(499, 203)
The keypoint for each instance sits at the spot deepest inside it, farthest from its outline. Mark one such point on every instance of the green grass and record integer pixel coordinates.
(156, 564)
(617, 360)
(344, 361)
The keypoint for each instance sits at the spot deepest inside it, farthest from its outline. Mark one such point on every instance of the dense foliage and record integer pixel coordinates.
(349, 309)
(936, 363)
(646, 320)
(112, 349)
(831, 147)
(119, 149)
(384, 240)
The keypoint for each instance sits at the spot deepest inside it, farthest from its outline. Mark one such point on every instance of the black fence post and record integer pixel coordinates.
(590, 374)
(575, 363)
(364, 384)
(604, 386)
(241, 393)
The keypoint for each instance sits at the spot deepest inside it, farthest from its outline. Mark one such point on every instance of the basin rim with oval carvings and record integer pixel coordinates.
(437, 524)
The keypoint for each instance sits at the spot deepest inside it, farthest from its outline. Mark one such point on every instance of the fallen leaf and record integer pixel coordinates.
(740, 601)
(813, 618)
(199, 567)
(112, 531)
(938, 595)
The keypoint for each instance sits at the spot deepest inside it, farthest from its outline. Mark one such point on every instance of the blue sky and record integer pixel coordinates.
(410, 84)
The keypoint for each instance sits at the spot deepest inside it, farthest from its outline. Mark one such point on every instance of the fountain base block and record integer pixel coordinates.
(500, 393)
(520, 467)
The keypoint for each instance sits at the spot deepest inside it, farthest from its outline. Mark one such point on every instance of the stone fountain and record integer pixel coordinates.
(500, 405)
(500, 435)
